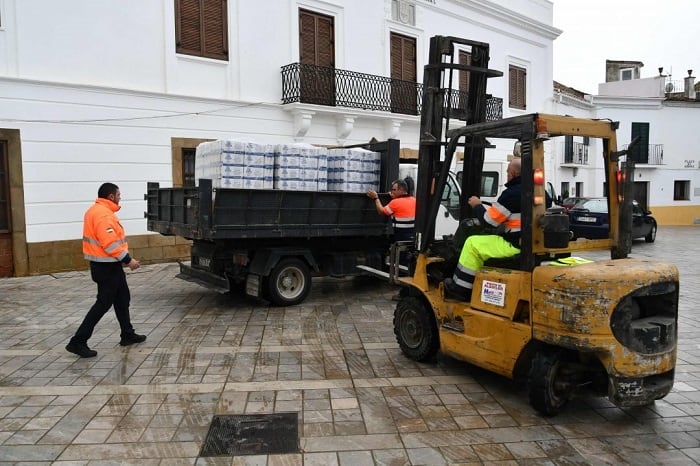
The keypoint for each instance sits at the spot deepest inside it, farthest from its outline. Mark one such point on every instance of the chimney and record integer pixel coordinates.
(690, 85)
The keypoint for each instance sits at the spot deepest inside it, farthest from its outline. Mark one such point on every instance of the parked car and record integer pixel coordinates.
(569, 202)
(588, 218)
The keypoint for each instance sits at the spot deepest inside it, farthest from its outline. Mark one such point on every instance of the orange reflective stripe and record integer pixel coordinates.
(496, 214)
(513, 225)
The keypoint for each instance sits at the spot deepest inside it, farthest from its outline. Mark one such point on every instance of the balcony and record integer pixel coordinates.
(651, 154)
(575, 154)
(333, 87)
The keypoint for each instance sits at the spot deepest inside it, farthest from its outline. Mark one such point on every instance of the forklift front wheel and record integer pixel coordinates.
(549, 387)
(289, 282)
(415, 329)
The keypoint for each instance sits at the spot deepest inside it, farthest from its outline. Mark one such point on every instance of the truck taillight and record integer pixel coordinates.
(240, 259)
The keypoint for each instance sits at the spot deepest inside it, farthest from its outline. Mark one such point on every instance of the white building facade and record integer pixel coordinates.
(667, 166)
(120, 91)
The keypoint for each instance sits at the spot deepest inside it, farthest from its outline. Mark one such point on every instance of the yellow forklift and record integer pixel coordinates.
(609, 326)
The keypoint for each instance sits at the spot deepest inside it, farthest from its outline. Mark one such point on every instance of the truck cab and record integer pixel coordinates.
(447, 218)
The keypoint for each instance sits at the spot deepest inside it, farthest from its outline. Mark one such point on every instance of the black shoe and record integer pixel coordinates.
(81, 349)
(131, 338)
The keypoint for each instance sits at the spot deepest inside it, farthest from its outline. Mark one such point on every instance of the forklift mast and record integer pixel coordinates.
(440, 79)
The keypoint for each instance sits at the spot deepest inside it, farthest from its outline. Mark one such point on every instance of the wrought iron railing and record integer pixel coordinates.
(576, 154)
(653, 154)
(342, 88)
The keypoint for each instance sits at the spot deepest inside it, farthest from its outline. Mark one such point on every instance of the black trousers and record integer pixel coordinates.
(112, 290)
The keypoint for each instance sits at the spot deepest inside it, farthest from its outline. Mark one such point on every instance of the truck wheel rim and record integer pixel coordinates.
(290, 283)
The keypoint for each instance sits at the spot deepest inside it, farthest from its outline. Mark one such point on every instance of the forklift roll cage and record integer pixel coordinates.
(532, 130)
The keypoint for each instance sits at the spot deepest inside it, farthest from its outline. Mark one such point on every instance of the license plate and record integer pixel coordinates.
(586, 219)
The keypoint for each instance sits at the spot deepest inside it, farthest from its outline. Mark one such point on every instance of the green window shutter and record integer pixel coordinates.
(640, 152)
(568, 149)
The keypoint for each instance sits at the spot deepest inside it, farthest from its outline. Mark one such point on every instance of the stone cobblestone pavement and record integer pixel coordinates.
(333, 359)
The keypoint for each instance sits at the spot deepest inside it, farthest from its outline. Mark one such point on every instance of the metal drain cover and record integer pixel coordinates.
(252, 434)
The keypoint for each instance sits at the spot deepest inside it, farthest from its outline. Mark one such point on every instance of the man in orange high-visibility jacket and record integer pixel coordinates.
(505, 212)
(402, 208)
(105, 246)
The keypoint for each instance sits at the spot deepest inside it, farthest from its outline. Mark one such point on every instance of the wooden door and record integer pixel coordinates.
(317, 58)
(404, 90)
(6, 260)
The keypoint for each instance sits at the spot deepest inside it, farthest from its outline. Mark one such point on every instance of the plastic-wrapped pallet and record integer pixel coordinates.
(353, 170)
(300, 167)
(233, 163)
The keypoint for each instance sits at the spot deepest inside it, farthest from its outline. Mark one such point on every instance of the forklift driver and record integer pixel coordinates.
(504, 214)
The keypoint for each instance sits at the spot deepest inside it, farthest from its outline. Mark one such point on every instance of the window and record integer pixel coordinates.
(516, 87)
(188, 156)
(626, 74)
(404, 90)
(183, 152)
(4, 190)
(317, 58)
(568, 149)
(564, 189)
(640, 152)
(489, 184)
(201, 28)
(681, 190)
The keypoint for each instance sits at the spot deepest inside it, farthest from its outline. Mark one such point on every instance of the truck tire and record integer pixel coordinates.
(415, 329)
(289, 282)
(549, 389)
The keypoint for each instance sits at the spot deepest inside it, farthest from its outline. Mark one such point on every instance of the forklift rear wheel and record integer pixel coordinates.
(549, 389)
(289, 282)
(415, 329)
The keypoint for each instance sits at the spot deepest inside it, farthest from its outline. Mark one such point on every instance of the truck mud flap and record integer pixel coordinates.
(203, 278)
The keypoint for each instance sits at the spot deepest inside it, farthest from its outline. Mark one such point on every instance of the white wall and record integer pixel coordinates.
(646, 87)
(673, 124)
(97, 90)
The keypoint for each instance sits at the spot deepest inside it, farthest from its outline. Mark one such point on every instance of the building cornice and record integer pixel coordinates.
(648, 103)
(504, 15)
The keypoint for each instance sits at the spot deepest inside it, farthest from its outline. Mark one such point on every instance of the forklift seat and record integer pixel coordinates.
(504, 263)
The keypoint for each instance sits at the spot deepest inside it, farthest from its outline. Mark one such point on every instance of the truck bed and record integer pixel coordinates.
(206, 214)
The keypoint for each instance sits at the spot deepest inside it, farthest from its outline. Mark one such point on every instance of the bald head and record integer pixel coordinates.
(514, 168)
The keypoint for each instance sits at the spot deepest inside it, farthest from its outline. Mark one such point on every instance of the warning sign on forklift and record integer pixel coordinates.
(493, 293)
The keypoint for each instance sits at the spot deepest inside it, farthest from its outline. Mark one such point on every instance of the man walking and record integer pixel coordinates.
(105, 246)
